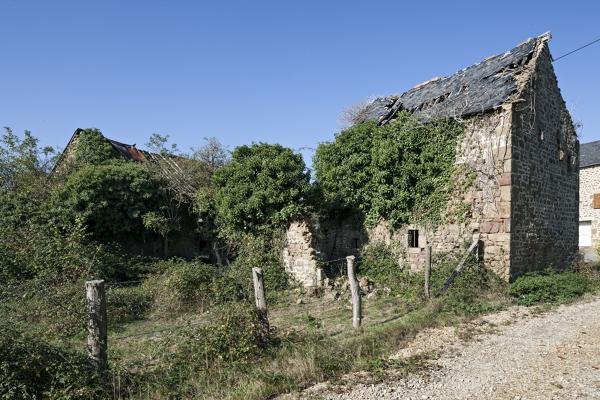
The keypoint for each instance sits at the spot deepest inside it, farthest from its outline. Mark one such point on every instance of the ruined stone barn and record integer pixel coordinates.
(185, 242)
(589, 200)
(521, 143)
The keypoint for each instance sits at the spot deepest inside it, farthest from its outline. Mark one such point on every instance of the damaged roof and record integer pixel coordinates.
(128, 151)
(472, 90)
(168, 164)
(589, 154)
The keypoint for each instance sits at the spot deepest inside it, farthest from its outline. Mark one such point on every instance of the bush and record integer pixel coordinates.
(109, 200)
(380, 264)
(201, 357)
(126, 304)
(180, 284)
(550, 287)
(264, 185)
(475, 289)
(32, 368)
(400, 172)
(265, 253)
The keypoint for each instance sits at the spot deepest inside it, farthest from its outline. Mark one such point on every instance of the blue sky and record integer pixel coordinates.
(248, 71)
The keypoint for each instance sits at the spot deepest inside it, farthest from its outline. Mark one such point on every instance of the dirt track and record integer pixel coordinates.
(515, 354)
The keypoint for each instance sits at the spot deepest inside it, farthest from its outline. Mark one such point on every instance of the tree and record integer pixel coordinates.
(24, 165)
(263, 186)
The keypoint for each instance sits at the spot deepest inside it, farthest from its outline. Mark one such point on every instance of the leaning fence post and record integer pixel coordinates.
(97, 341)
(427, 270)
(355, 290)
(259, 295)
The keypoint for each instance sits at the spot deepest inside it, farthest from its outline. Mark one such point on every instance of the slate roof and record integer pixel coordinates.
(472, 90)
(589, 154)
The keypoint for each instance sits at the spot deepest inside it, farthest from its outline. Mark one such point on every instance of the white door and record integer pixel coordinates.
(585, 233)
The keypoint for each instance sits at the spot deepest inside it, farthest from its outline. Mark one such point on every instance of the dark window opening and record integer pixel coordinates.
(355, 243)
(413, 238)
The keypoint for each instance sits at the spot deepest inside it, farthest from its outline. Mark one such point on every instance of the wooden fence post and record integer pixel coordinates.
(427, 270)
(355, 290)
(97, 341)
(259, 296)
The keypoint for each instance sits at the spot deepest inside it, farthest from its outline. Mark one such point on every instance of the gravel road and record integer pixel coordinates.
(515, 354)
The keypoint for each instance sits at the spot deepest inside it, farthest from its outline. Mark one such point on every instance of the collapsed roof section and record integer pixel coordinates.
(472, 90)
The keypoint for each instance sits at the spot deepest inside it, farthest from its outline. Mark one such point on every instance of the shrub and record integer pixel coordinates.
(33, 368)
(380, 264)
(264, 185)
(180, 284)
(550, 287)
(263, 252)
(126, 304)
(201, 355)
(109, 200)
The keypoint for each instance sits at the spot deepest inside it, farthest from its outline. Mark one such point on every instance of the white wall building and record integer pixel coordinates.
(589, 200)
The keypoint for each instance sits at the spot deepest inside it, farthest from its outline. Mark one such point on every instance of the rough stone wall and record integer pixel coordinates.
(299, 256)
(589, 184)
(524, 194)
(545, 173)
(483, 157)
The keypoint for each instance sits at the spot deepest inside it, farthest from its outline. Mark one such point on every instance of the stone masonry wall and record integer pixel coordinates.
(545, 174)
(523, 200)
(299, 256)
(589, 184)
(484, 153)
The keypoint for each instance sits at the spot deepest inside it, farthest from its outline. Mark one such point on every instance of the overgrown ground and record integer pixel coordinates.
(169, 338)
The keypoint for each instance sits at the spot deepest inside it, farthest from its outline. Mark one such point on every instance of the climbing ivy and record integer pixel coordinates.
(401, 172)
(93, 149)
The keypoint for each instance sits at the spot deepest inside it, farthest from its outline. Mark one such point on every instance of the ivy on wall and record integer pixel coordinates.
(401, 172)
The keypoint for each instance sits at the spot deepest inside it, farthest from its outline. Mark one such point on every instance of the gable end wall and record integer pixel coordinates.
(545, 174)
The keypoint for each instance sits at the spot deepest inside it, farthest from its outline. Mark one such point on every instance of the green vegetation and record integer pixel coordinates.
(110, 200)
(400, 172)
(93, 149)
(263, 186)
(188, 328)
(552, 287)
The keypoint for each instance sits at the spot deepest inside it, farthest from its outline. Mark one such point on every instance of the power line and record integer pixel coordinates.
(576, 50)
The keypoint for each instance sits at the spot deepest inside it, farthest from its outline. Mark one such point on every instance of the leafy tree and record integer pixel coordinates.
(213, 154)
(263, 186)
(110, 199)
(401, 172)
(24, 165)
(94, 149)
(159, 144)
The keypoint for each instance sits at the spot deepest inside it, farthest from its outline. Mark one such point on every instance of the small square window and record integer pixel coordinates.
(413, 238)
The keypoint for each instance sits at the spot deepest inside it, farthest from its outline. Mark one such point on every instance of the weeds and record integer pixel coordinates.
(552, 287)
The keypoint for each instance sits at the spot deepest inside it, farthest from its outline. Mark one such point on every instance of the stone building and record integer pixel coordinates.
(589, 200)
(520, 143)
(186, 242)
